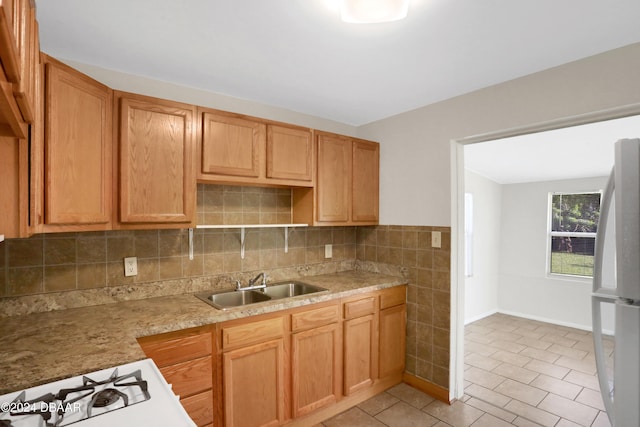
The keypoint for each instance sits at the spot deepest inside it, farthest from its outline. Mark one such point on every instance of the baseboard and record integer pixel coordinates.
(479, 316)
(348, 402)
(552, 321)
(433, 390)
(345, 403)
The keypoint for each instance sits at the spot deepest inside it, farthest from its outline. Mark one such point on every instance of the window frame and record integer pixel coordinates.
(551, 234)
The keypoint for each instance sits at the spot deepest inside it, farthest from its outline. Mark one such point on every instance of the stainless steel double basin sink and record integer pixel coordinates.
(230, 299)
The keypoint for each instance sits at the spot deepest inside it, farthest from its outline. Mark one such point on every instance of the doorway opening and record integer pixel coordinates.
(542, 163)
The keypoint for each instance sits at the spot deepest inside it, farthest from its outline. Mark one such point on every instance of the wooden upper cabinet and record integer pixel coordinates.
(365, 185)
(231, 146)
(78, 157)
(156, 154)
(289, 153)
(334, 170)
(235, 149)
(28, 52)
(18, 59)
(347, 185)
(20, 50)
(11, 12)
(14, 187)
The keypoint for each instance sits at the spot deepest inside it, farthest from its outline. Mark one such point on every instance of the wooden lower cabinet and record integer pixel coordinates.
(199, 408)
(296, 367)
(359, 353)
(360, 342)
(254, 371)
(316, 363)
(392, 325)
(253, 385)
(185, 359)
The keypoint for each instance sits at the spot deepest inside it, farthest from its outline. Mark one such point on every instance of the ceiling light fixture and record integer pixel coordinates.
(373, 11)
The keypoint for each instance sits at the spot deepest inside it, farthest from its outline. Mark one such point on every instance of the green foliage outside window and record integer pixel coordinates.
(574, 219)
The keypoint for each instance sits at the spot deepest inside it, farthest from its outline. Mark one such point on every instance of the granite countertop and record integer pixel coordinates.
(43, 347)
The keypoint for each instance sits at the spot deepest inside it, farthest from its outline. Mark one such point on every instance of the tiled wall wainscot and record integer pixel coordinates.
(408, 249)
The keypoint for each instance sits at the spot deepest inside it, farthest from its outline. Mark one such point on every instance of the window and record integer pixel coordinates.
(572, 232)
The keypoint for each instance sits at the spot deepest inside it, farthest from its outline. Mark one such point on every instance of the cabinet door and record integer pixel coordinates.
(14, 187)
(359, 353)
(29, 52)
(11, 14)
(334, 179)
(200, 408)
(231, 146)
(290, 153)
(315, 368)
(366, 171)
(253, 382)
(186, 362)
(190, 377)
(157, 184)
(78, 146)
(392, 340)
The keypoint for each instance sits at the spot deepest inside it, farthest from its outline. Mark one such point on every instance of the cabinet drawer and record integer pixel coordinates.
(200, 408)
(393, 296)
(172, 351)
(251, 333)
(314, 318)
(359, 307)
(189, 378)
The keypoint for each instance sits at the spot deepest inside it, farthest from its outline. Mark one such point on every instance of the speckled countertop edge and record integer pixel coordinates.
(44, 347)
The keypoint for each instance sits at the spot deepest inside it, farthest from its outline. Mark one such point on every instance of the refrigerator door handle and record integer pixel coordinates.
(607, 199)
(603, 377)
(602, 295)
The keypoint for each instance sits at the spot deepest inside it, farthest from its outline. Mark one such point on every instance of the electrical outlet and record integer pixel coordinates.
(328, 251)
(436, 239)
(131, 266)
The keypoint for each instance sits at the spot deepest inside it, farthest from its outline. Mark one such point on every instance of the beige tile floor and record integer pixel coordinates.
(517, 372)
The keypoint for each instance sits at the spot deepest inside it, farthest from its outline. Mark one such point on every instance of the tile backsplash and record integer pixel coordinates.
(61, 270)
(58, 262)
(427, 269)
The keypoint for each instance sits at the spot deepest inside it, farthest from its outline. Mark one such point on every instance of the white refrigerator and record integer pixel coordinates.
(616, 281)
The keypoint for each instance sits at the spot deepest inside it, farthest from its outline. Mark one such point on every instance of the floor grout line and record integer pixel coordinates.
(576, 381)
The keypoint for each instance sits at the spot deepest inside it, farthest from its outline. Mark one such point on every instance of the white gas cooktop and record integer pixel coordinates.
(129, 395)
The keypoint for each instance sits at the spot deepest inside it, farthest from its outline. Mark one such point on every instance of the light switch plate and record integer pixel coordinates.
(436, 239)
(328, 251)
(131, 266)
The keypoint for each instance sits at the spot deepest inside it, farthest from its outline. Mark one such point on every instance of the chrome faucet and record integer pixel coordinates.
(252, 283)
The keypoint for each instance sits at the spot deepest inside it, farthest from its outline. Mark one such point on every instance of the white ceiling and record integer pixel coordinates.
(576, 152)
(300, 56)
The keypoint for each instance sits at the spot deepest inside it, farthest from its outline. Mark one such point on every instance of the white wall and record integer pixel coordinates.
(481, 289)
(416, 156)
(146, 86)
(525, 288)
(415, 160)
